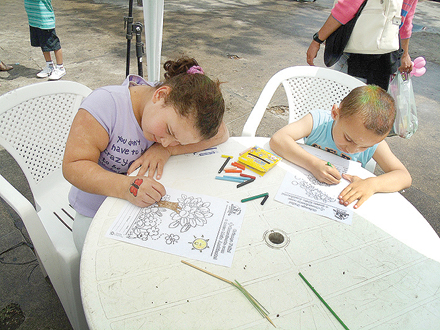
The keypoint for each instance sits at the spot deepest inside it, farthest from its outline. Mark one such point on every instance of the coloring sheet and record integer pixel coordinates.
(186, 224)
(301, 189)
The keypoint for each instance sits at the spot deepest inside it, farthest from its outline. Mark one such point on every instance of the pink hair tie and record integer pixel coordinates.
(195, 69)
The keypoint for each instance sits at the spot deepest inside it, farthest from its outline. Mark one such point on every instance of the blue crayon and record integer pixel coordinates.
(230, 178)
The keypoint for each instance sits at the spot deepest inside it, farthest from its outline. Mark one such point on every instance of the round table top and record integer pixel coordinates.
(368, 277)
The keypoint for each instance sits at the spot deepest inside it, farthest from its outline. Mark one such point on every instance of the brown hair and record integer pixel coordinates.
(374, 104)
(196, 95)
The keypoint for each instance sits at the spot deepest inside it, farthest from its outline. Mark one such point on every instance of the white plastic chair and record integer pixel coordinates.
(307, 88)
(34, 124)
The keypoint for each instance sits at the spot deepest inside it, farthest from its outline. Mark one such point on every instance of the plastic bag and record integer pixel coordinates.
(401, 89)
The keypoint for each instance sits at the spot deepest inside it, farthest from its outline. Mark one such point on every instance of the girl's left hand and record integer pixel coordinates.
(359, 189)
(153, 159)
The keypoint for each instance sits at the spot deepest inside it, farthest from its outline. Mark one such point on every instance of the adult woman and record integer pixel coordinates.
(374, 68)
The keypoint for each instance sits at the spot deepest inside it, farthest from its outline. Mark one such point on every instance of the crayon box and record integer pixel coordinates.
(259, 160)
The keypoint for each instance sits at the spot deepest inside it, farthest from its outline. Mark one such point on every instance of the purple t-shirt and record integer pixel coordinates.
(111, 107)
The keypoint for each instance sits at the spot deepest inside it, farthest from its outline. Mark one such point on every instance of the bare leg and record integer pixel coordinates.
(59, 71)
(47, 56)
(59, 56)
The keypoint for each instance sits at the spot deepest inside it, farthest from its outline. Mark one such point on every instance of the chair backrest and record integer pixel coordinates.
(34, 124)
(307, 88)
(35, 121)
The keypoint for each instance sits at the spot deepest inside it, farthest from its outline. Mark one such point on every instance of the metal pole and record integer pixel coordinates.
(128, 23)
(139, 46)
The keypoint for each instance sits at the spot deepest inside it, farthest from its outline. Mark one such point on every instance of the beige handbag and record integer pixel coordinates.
(377, 28)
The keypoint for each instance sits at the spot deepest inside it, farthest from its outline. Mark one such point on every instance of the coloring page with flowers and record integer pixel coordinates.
(194, 226)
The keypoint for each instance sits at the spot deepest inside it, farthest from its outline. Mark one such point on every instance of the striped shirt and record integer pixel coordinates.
(40, 14)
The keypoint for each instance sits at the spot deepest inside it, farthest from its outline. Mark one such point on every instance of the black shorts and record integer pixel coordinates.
(46, 39)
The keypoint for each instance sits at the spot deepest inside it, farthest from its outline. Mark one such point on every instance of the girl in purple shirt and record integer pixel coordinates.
(138, 125)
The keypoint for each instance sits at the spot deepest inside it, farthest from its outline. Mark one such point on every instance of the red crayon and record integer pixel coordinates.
(247, 176)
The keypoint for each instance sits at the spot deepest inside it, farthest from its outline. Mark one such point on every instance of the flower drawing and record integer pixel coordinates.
(193, 212)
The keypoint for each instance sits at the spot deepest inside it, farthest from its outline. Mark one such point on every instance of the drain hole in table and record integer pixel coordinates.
(276, 238)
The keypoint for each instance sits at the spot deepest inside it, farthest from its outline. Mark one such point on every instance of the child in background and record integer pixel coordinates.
(138, 125)
(354, 130)
(41, 19)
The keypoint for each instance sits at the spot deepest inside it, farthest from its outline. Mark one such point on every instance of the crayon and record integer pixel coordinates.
(224, 164)
(254, 197)
(245, 183)
(247, 176)
(243, 152)
(224, 178)
(238, 178)
(232, 171)
(238, 165)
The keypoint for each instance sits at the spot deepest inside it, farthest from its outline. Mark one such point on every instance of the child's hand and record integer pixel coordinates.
(144, 191)
(359, 189)
(326, 173)
(153, 159)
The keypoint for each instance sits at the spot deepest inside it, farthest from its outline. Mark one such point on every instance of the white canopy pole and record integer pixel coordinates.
(153, 24)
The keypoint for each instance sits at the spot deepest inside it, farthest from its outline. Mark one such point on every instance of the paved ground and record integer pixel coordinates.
(265, 36)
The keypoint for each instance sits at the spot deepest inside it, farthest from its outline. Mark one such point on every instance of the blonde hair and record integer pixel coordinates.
(375, 106)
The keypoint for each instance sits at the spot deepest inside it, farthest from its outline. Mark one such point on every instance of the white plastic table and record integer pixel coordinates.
(366, 271)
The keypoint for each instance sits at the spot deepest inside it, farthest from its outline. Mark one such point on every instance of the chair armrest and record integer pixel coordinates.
(27, 213)
(16, 200)
(257, 113)
(254, 119)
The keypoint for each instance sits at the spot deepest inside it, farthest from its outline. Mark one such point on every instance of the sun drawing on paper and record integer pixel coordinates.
(199, 243)
(188, 212)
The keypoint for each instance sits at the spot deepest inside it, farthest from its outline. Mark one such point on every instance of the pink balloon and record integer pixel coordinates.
(419, 62)
(418, 72)
(418, 67)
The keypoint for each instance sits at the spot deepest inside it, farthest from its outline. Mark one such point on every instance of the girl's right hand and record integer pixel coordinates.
(144, 191)
(326, 173)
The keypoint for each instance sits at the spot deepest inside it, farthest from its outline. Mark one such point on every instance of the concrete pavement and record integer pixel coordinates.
(265, 37)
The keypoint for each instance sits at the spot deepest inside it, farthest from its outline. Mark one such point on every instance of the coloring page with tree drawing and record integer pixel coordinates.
(190, 225)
